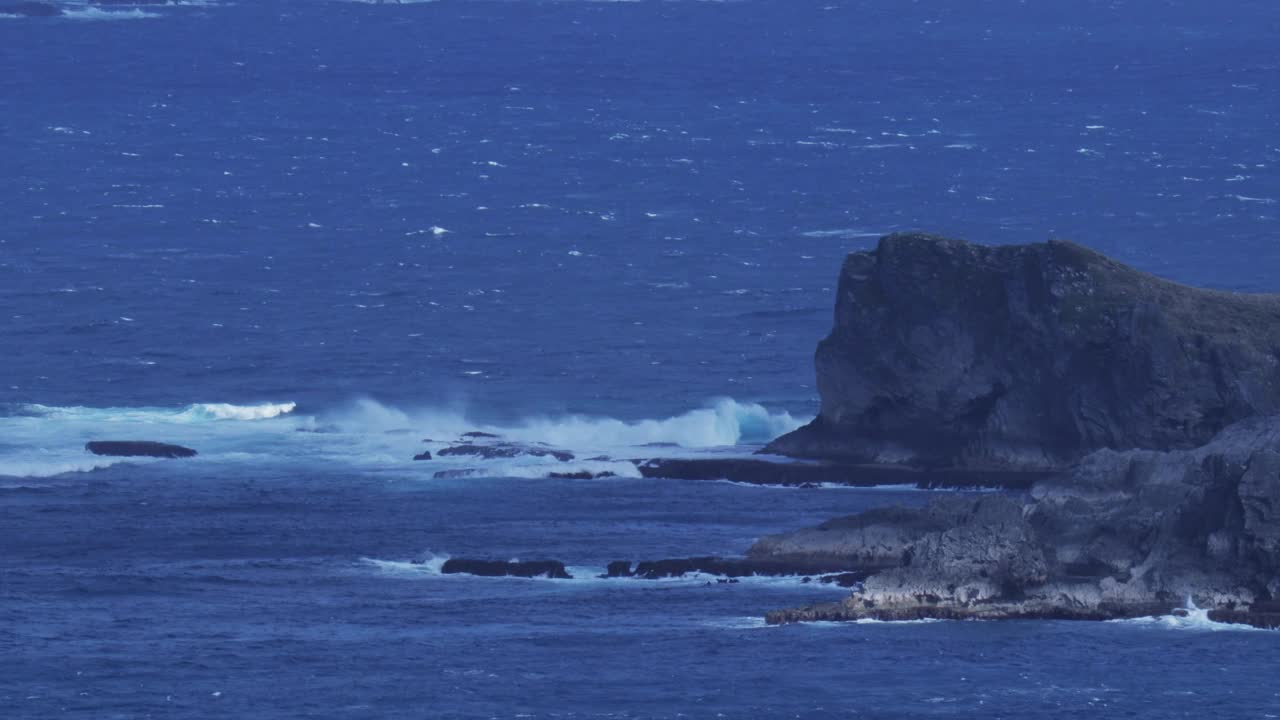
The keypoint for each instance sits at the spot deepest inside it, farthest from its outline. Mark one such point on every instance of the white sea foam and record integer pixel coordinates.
(922, 621)
(93, 13)
(43, 440)
(225, 411)
(191, 413)
(1194, 618)
(844, 233)
(43, 466)
(725, 422)
(431, 564)
(740, 623)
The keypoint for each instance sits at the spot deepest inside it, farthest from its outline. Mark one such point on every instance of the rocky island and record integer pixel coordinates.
(1149, 410)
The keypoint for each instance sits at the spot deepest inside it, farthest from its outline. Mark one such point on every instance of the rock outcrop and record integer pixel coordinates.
(1123, 534)
(553, 569)
(1152, 408)
(950, 354)
(504, 450)
(138, 448)
(755, 471)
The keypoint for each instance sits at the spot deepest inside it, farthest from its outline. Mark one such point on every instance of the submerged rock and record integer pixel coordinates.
(553, 569)
(950, 354)
(138, 448)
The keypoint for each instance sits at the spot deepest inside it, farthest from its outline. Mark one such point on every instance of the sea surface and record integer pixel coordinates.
(304, 236)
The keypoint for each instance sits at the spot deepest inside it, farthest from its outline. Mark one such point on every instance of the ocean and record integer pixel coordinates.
(304, 236)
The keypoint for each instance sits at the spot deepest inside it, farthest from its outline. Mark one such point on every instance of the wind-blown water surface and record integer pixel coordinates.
(304, 236)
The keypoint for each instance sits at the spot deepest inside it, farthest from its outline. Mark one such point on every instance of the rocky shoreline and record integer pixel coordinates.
(1152, 409)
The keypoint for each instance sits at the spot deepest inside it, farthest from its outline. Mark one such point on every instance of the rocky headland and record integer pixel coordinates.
(1151, 409)
(949, 354)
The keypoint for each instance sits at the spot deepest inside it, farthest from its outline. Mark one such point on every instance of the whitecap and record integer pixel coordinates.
(748, 622)
(431, 564)
(227, 411)
(52, 464)
(844, 233)
(1192, 618)
(93, 13)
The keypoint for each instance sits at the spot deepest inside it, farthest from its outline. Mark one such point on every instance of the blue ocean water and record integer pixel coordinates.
(302, 236)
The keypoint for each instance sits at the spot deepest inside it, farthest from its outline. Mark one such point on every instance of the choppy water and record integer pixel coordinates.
(303, 236)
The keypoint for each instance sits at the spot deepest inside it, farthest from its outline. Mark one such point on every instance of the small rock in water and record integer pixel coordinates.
(498, 568)
(619, 568)
(138, 448)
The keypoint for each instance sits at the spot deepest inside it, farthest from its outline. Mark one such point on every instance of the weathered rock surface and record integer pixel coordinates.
(138, 448)
(950, 354)
(1122, 534)
(504, 450)
(553, 569)
(797, 474)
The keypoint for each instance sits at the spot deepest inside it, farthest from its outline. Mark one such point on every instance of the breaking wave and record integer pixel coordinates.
(44, 440)
(1192, 618)
(93, 13)
(725, 422)
(431, 565)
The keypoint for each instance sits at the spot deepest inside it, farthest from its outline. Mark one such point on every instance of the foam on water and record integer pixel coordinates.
(430, 564)
(225, 411)
(42, 466)
(93, 13)
(724, 423)
(366, 435)
(1194, 619)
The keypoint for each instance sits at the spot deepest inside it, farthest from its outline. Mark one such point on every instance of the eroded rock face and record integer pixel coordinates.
(1122, 534)
(950, 354)
(505, 450)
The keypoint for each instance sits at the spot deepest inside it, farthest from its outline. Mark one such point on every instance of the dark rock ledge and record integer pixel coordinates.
(1150, 406)
(1124, 534)
(553, 569)
(755, 471)
(138, 448)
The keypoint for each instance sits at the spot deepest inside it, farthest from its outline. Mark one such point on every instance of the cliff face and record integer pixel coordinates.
(950, 354)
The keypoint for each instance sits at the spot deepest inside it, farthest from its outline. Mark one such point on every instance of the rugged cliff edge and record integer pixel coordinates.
(949, 354)
(1123, 534)
(1156, 402)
